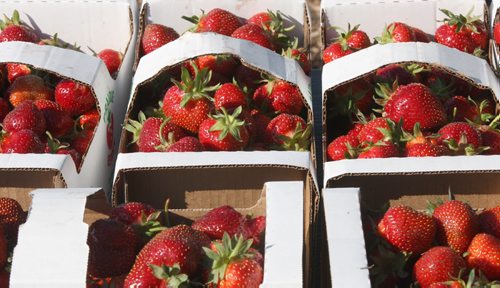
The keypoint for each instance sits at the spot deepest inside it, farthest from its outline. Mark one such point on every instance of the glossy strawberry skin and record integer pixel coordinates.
(489, 220)
(370, 133)
(456, 130)
(496, 33)
(402, 32)
(16, 70)
(456, 223)
(283, 98)
(230, 97)
(18, 33)
(112, 59)
(283, 125)
(150, 138)
(438, 264)
(155, 36)
(82, 141)
(131, 212)
(74, 97)
(407, 229)
(28, 87)
(425, 149)
(89, 120)
(338, 148)
(447, 35)
(484, 254)
(242, 273)
(261, 19)
(222, 64)
(392, 72)
(59, 122)
(335, 51)
(255, 34)
(11, 216)
(22, 142)
(358, 40)
(210, 139)
(491, 139)
(219, 21)
(186, 144)
(385, 150)
(25, 116)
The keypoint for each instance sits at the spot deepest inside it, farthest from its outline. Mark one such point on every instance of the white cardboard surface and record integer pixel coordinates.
(284, 234)
(346, 243)
(52, 249)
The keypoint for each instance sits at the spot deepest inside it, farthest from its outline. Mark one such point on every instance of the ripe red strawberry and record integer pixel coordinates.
(216, 20)
(155, 36)
(186, 144)
(77, 158)
(261, 19)
(413, 103)
(187, 103)
(131, 212)
(4, 108)
(230, 97)
(421, 36)
(484, 254)
(28, 87)
(82, 141)
(407, 229)
(496, 33)
(4, 253)
(11, 216)
(74, 97)
(299, 55)
(456, 224)
(355, 130)
(381, 150)
(404, 74)
(112, 248)
(177, 245)
(224, 132)
(233, 266)
(460, 108)
(335, 51)
(461, 137)
(279, 96)
(491, 138)
(374, 131)
(465, 33)
(89, 119)
(274, 25)
(225, 219)
(25, 116)
(112, 59)
(16, 70)
(255, 34)
(439, 264)
(222, 64)
(4, 278)
(289, 132)
(489, 220)
(260, 122)
(397, 32)
(420, 145)
(22, 141)
(59, 122)
(355, 38)
(342, 147)
(13, 29)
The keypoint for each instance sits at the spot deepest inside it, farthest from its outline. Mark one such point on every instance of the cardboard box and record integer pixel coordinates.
(44, 240)
(169, 13)
(421, 14)
(468, 67)
(87, 23)
(346, 260)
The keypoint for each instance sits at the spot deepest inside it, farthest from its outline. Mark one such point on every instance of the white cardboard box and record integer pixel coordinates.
(89, 24)
(474, 69)
(45, 238)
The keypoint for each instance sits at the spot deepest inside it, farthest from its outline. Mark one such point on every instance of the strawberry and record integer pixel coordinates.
(59, 122)
(496, 33)
(279, 96)
(25, 116)
(54, 146)
(403, 74)
(255, 34)
(13, 29)
(438, 264)
(186, 144)
(233, 266)
(4, 109)
(374, 131)
(289, 132)
(484, 254)
(260, 122)
(346, 43)
(4, 253)
(421, 36)
(381, 150)
(412, 103)
(397, 32)
(179, 245)
(461, 137)
(408, 230)
(298, 54)
(273, 24)
(465, 33)
(155, 36)
(461, 109)
(22, 141)
(28, 87)
(456, 224)
(89, 119)
(11, 216)
(74, 97)
(224, 132)
(225, 219)
(131, 212)
(342, 147)
(355, 38)
(187, 103)
(247, 77)
(229, 96)
(489, 220)
(153, 134)
(16, 70)
(491, 138)
(4, 278)
(335, 51)
(112, 59)
(112, 248)
(221, 64)
(419, 145)
(216, 20)
(82, 140)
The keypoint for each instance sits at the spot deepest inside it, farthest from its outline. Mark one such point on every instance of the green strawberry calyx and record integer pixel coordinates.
(195, 88)
(228, 124)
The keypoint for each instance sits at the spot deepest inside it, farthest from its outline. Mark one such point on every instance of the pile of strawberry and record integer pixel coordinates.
(13, 29)
(11, 217)
(132, 248)
(465, 33)
(447, 246)
(266, 29)
(205, 110)
(411, 110)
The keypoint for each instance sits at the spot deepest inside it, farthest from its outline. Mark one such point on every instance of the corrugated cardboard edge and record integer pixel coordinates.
(50, 235)
(473, 69)
(346, 242)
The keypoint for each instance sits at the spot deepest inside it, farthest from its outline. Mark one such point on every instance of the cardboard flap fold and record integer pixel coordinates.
(52, 243)
(284, 234)
(346, 243)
